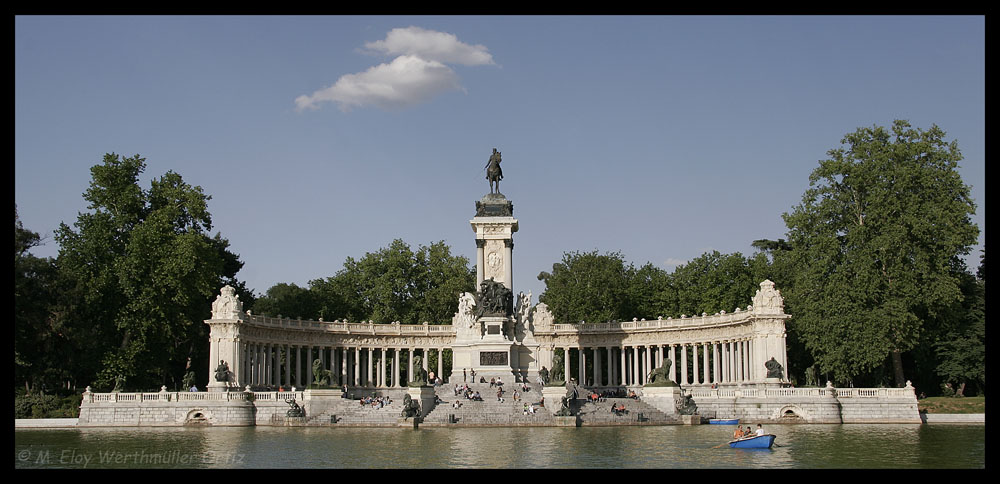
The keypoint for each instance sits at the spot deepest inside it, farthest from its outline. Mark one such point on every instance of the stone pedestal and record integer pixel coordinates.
(553, 398)
(691, 419)
(218, 386)
(772, 382)
(663, 399)
(491, 355)
(571, 421)
(423, 395)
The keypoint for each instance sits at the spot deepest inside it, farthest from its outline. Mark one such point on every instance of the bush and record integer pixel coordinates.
(47, 406)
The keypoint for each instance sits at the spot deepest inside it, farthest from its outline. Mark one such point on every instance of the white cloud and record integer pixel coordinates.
(674, 262)
(431, 45)
(405, 81)
(418, 73)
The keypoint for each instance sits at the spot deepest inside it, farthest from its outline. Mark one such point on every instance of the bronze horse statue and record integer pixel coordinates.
(493, 172)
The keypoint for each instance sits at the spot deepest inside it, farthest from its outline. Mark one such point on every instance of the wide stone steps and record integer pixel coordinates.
(352, 412)
(637, 413)
(490, 411)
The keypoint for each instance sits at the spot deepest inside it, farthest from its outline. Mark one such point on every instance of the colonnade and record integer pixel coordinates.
(272, 365)
(716, 362)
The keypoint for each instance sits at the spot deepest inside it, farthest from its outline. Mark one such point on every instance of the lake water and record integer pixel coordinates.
(896, 446)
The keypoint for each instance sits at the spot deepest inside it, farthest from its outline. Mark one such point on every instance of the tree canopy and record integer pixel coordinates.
(394, 283)
(142, 272)
(876, 245)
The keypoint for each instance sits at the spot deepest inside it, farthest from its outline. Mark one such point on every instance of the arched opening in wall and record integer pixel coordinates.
(790, 414)
(197, 417)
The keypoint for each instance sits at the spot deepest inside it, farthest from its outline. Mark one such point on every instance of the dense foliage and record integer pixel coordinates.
(393, 284)
(123, 304)
(871, 270)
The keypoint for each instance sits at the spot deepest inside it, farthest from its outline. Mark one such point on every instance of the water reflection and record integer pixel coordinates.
(797, 446)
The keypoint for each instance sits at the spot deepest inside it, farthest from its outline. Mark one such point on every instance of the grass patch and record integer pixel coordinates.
(952, 405)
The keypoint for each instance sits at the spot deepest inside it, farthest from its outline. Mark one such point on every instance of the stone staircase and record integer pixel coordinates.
(490, 411)
(637, 413)
(351, 412)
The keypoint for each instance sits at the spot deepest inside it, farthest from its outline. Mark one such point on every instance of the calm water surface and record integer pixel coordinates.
(801, 446)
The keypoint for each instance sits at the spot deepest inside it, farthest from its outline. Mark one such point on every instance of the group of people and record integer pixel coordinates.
(739, 433)
(594, 397)
(376, 402)
(618, 409)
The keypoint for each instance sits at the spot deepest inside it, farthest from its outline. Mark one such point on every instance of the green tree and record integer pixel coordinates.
(397, 284)
(39, 339)
(288, 300)
(961, 351)
(144, 272)
(714, 282)
(874, 246)
(587, 286)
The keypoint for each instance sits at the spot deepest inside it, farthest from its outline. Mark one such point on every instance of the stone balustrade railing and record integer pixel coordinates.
(750, 392)
(165, 396)
(352, 328)
(722, 318)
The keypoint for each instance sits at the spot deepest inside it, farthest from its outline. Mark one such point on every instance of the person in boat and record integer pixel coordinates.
(748, 432)
(738, 433)
(760, 430)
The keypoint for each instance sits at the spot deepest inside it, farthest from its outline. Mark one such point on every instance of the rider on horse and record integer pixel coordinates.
(493, 171)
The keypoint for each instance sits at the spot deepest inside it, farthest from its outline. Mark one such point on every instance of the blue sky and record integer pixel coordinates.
(321, 138)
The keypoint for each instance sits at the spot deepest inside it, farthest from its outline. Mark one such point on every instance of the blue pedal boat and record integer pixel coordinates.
(756, 442)
(724, 421)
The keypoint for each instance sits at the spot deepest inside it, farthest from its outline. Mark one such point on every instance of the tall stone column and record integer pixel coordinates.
(357, 366)
(635, 365)
(395, 368)
(480, 245)
(598, 380)
(684, 365)
(715, 362)
(705, 373)
(581, 357)
(673, 363)
(694, 361)
(369, 364)
(611, 366)
(646, 362)
(623, 366)
(440, 352)
(409, 360)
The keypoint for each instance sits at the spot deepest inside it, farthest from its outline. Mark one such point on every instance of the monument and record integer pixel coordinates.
(491, 334)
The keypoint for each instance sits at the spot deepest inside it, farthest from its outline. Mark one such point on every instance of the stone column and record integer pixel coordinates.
(636, 361)
(597, 367)
(426, 361)
(611, 366)
(581, 358)
(480, 246)
(694, 361)
(409, 358)
(369, 364)
(684, 365)
(440, 363)
(784, 354)
(508, 245)
(623, 367)
(727, 358)
(645, 364)
(706, 374)
(395, 368)
(740, 361)
(566, 364)
(356, 378)
(673, 363)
